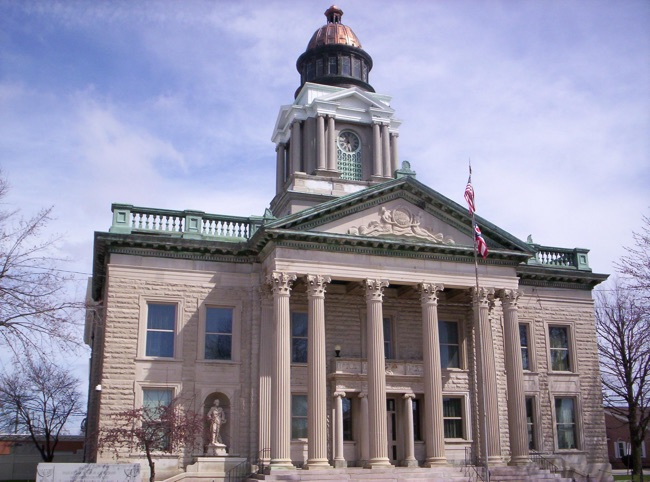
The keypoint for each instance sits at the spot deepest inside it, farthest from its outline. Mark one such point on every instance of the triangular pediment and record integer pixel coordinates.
(402, 210)
(354, 98)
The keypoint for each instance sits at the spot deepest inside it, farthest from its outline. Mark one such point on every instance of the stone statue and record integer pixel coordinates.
(217, 418)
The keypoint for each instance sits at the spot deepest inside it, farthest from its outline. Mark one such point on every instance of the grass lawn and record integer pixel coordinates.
(646, 477)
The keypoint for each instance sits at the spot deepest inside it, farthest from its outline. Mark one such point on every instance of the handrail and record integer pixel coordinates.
(471, 465)
(243, 470)
(543, 462)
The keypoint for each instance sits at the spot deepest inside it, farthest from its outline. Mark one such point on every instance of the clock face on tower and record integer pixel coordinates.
(349, 142)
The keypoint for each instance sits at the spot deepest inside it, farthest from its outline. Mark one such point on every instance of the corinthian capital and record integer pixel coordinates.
(316, 285)
(375, 289)
(509, 298)
(485, 296)
(429, 292)
(280, 282)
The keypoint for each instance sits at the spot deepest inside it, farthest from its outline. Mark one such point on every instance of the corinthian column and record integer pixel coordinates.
(434, 432)
(316, 376)
(489, 405)
(281, 371)
(515, 379)
(378, 436)
(266, 356)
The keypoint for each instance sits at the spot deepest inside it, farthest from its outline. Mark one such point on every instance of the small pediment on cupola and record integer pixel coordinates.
(397, 219)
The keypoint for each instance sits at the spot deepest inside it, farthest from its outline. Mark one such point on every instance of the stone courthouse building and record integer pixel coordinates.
(345, 332)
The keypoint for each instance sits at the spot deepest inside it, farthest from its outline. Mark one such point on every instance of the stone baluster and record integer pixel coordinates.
(378, 447)
(409, 459)
(489, 402)
(281, 371)
(434, 431)
(339, 457)
(515, 378)
(317, 374)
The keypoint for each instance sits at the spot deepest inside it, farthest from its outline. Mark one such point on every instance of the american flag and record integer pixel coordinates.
(469, 193)
(481, 247)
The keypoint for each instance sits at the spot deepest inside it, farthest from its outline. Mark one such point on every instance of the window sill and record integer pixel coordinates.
(218, 362)
(458, 441)
(158, 359)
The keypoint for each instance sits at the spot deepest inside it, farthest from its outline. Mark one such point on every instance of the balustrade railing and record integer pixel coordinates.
(560, 257)
(129, 219)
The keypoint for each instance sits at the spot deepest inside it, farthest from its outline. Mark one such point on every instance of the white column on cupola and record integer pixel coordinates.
(377, 170)
(385, 151)
(281, 371)
(394, 156)
(331, 144)
(320, 144)
(317, 374)
(296, 147)
(515, 378)
(377, 423)
(280, 167)
(432, 374)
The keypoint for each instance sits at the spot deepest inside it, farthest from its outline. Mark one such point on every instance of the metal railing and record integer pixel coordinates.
(248, 467)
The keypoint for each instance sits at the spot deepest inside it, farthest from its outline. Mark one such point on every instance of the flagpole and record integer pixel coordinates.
(479, 338)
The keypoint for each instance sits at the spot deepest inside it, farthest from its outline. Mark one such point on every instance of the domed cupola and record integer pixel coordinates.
(334, 56)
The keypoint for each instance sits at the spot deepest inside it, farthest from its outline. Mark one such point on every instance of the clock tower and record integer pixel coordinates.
(339, 136)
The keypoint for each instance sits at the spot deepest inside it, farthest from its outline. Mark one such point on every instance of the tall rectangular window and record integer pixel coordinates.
(154, 402)
(559, 342)
(347, 418)
(452, 413)
(299, 337)
(218, 333)
(388, 339)
(449, 344)
(298, 416)
(525, 354)
(565, 423)
(345, 66)
(332, 66)
(417, 434)
(530, 422)
(161, 325)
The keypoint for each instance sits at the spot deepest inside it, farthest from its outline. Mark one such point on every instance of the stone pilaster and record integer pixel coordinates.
(409, 443)
(266, 354)
(317, 374)
(281, 371)
(378, 430)
(331, 144)
(434, 429)
(363, 436)
(339, 458)
(377, 170)
(385, 150)
(488, 398)
(515, 379)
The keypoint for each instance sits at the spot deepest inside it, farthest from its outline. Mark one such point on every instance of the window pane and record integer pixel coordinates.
(319, 68)
(160, 343)
(218, 320)
(451, 407)
(299, 350)
(388, 342)
(565, 422)
(345, 66)
(560, 360)
(218, 347)
(161, 317)
(530, 421)
(449, 345)
(559, 337)
(448, 332)
(332, 66)
(356, 68)
(298, 416)
(299, 337)
(156, 397)
(347, 418)
(299, 324)
(452, 411)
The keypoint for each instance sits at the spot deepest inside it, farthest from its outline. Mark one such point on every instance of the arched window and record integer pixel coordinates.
(348, 155)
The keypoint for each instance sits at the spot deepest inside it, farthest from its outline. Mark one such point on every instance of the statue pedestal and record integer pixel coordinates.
(217, 449)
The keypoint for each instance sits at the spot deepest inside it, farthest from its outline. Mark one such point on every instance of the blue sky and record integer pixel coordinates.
(172, 104)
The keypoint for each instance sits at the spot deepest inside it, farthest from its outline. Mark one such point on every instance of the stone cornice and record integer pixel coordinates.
(552, 277)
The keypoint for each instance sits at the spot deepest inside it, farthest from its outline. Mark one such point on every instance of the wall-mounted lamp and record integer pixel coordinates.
(337, 350)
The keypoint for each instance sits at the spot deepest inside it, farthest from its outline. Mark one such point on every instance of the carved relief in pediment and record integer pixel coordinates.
(399, 222)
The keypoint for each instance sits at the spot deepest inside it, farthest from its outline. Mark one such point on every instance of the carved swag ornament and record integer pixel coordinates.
(399, 222)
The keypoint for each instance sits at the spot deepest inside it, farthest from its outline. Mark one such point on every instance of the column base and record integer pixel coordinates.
(495, 460)
(409, 463)
(316, 464)
(328, 173)
(340, 464)
(379, 463)
(519, 460)
(278, 465)
(435, 462)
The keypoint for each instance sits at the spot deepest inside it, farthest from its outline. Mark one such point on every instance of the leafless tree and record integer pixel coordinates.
(623, 326)
(161, 428)
(34, 308)
(37, 399)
